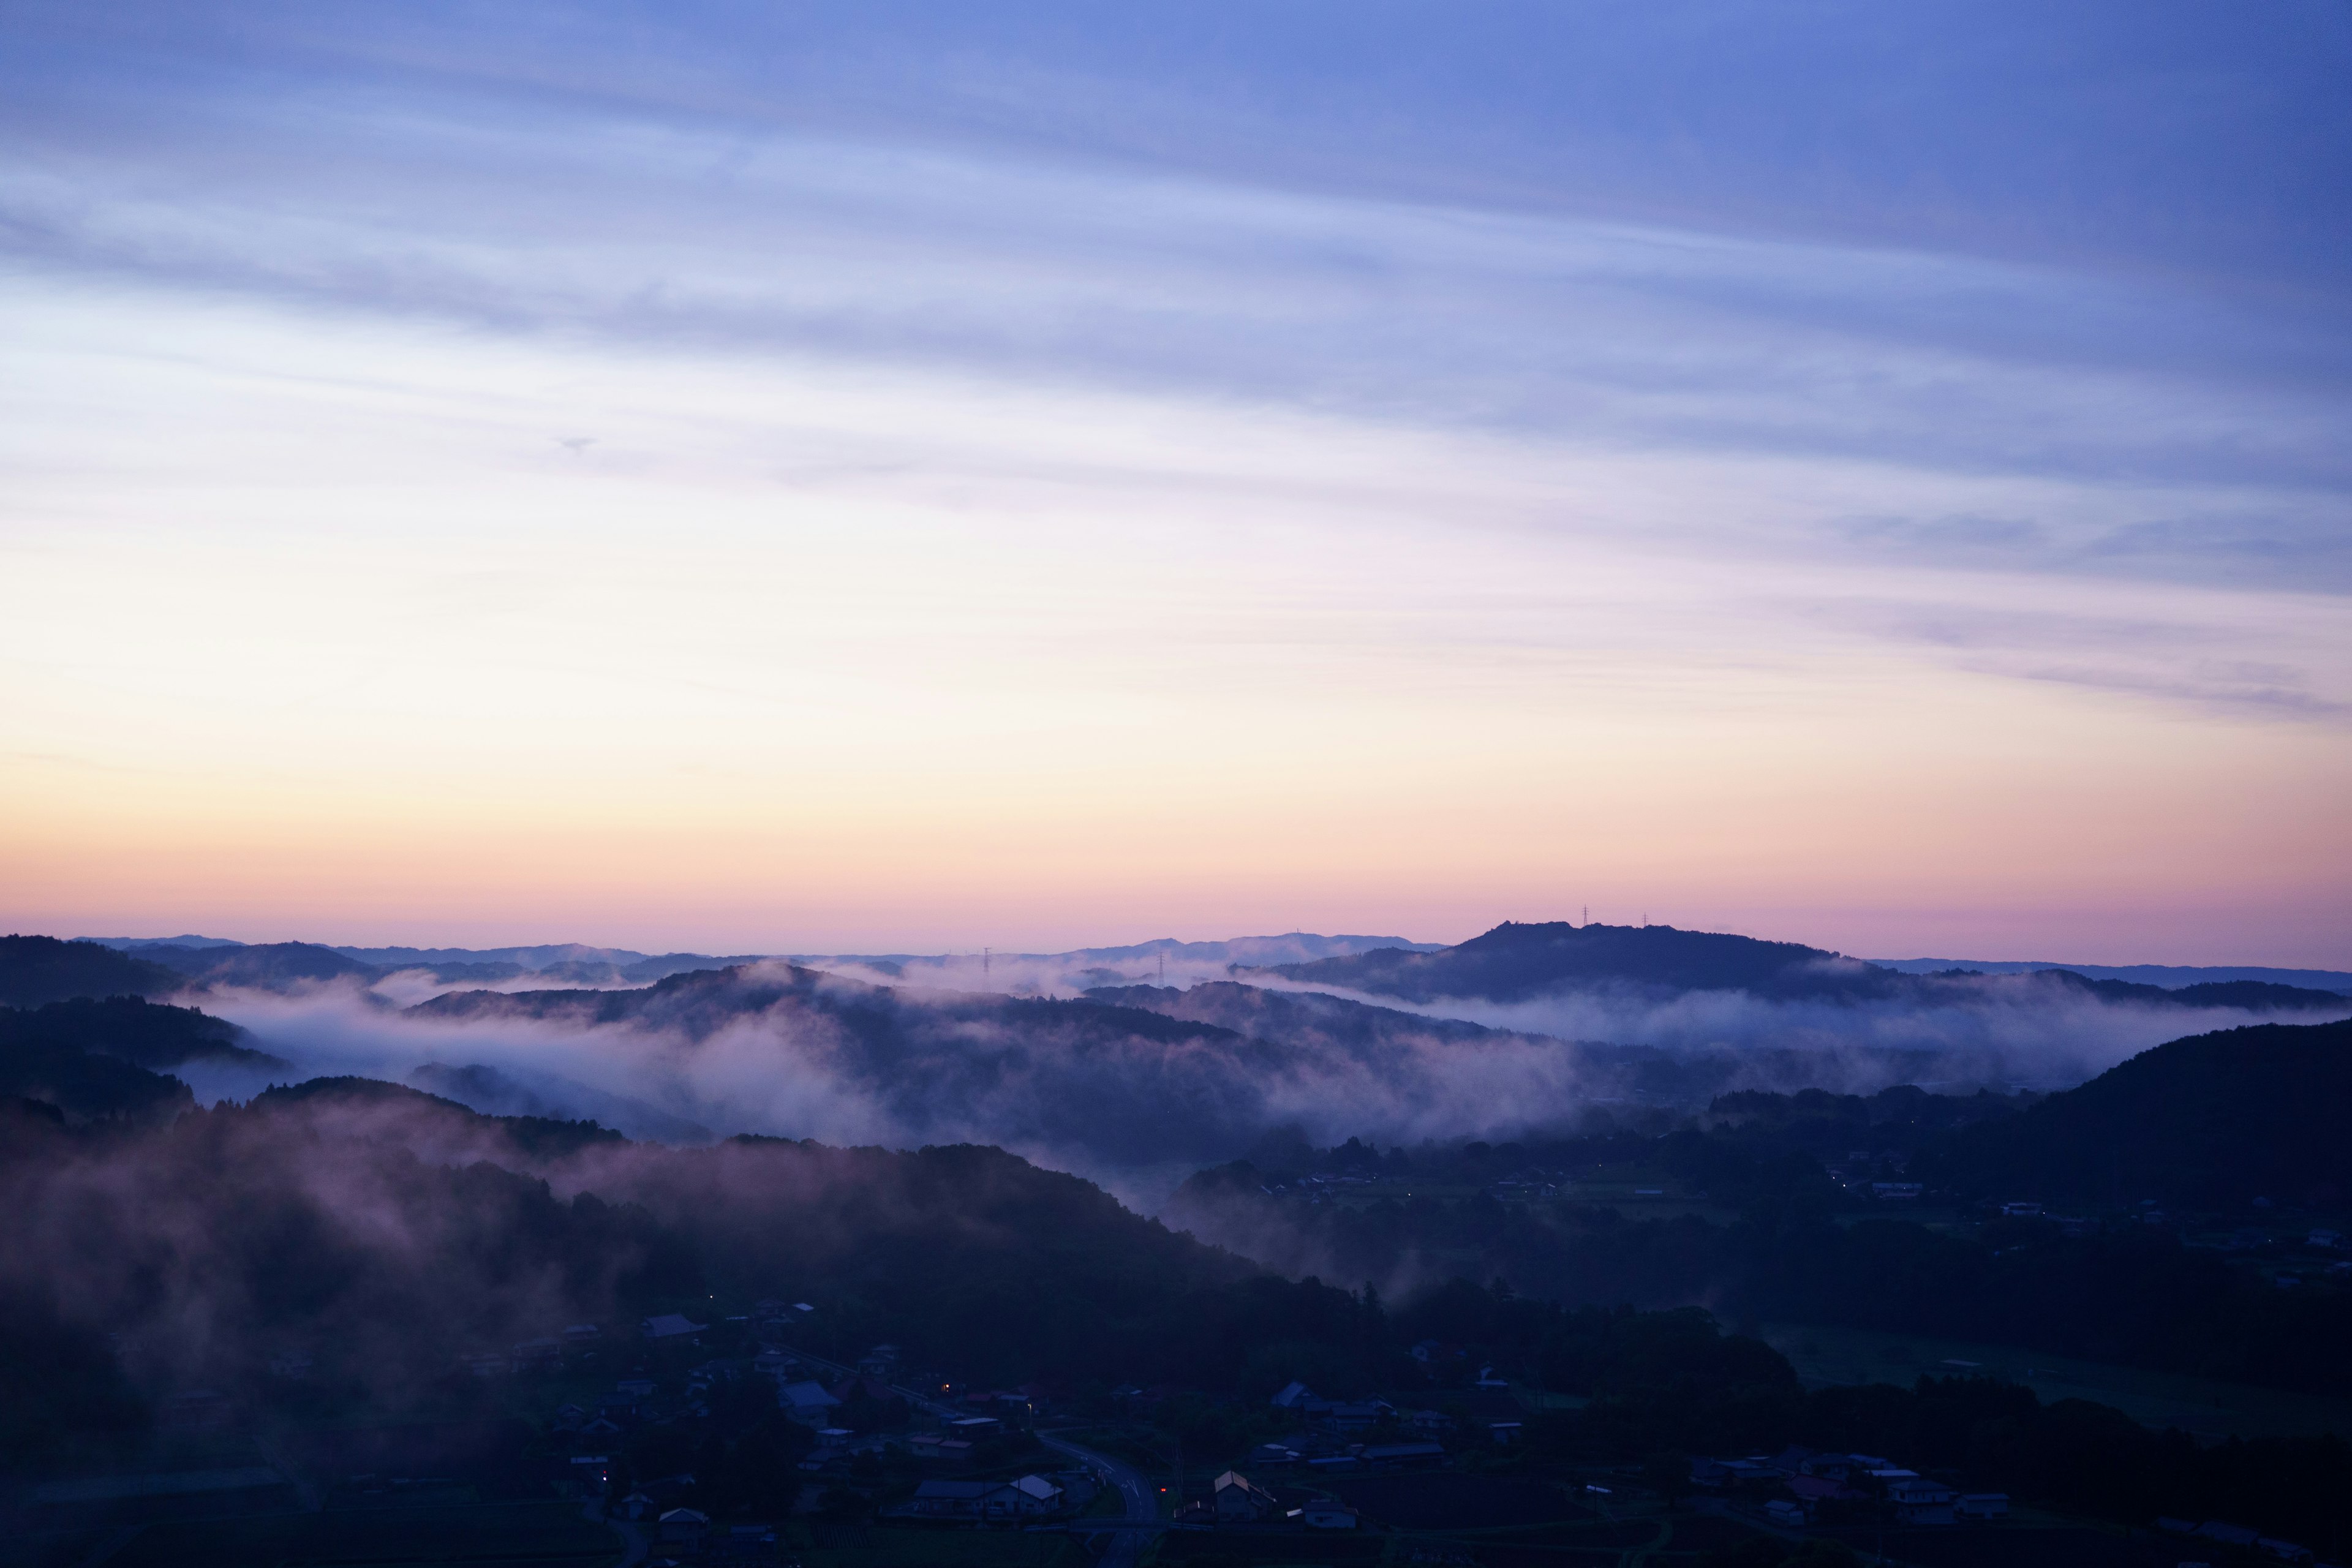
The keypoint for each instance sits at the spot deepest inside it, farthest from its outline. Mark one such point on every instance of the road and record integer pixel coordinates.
(1143, 1507)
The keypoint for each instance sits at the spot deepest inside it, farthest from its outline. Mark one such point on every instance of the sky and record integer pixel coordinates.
(905, 477)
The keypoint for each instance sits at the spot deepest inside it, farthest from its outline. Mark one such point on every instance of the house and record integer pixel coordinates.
(603, 1428)
(2022, 1210)
(973, 1428)
(638, 1505)
(580, 1335)
(532, 1354)
(1269, 1455)
(1355, 1415)
(684, 1527)
(1505, 1433)
(1921, 1501)
(567, 1418)
(1431, 1421)
(668, 1326)
(807, 1403)
(638, 1388)
(483, 1363)
(1328, 1516)
(1028, 1497)
(1239, 1500)
(2327, 1240)
(1292, 1396)
(2284, 1551)
(1981, 1506)
(1787, 1514)
(1403, 1454)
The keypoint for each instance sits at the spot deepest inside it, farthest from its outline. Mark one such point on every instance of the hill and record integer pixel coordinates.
(2213, 1120)
(1515, 963)
(262, 966)
(38, 969)
(1117, 1084)
(152, 1035)
(385, 1230)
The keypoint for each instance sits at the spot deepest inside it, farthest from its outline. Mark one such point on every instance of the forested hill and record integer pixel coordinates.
(385, 1232)
(154, 1035)
(37, 969)
(2218, 1118)
(1516, 963)
(1117, 1085)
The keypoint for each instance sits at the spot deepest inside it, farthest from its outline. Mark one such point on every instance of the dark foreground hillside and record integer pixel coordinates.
(382, 1240)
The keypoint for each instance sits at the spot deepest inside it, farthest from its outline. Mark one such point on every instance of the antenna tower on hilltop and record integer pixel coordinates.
(985, 957)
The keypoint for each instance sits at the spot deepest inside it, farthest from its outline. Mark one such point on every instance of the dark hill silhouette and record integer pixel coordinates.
(153, 1035)
(1515, 962)
(2212, 1120)
(95, 1059)
(37, 969)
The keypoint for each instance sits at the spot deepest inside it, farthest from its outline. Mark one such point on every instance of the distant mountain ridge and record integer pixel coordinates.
(1521, 962)
(279, 965)
(2171, 976)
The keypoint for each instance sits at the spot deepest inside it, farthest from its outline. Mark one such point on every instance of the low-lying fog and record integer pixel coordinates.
(864, 1056)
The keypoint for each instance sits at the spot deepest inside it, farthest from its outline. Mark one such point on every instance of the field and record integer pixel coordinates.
(2203, 1407)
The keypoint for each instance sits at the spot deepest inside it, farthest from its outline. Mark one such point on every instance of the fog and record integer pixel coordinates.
(1136, 1102)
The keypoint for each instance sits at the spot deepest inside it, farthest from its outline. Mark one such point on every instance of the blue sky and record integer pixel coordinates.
(1954, 397)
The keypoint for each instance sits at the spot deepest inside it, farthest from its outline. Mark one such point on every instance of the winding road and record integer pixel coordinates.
(1143, 1519)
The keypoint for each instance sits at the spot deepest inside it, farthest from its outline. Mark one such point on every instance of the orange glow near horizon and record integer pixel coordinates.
(383, 663)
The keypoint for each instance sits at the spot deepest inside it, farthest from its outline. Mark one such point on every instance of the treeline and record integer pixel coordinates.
(2214, 1120)
(2134, 1295)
